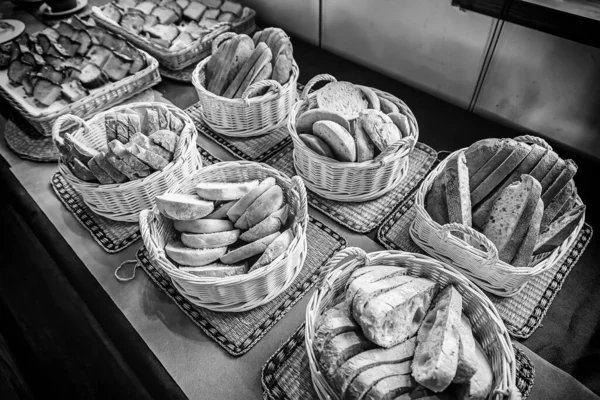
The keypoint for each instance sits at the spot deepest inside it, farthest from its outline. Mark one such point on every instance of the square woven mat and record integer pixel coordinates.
(112, 236)
(237, 333)
(522, 313)
(365, 216)
(286, 375)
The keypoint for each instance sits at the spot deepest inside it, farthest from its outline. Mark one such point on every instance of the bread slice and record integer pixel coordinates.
(559, 230)
(364, 276)
(184, 207)
(267, 226)
(372, 99)
(229, 60)
(263, 74)
(78, 149)
(343, 98)
(401, 122)
(275, 249)
(365, 148)
(217, 270)
(236, 211)
(380, 128)
(282, 68)
(479, 153)
(390, 387)
(166, 139)
(221, 211)
(467, 359)
(317, 145)
(334, 321)
(348, 371)
(210, 240)
(121, 166)
(558, 202)
(390, 311)
(436, 354)
(249, 250)
(480, 384)
(305, 122)
(192, 257)
(101, 175)
(203, 226)
(225, 190)
(340, 349)
(140, 169)
(387, 106)
(147, 143)
(525, 251)
(260, 52)
(561, 181)
(368, 379)
(568, 206)
(268, 202)
(458, 195)
(553, 174)
(81, 171)
(435, 202)
(152, 160)
(337, 138)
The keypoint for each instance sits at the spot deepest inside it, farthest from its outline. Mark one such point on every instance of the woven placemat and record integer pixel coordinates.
(286, 375)
(522, 313)
(237, 333)
(112, 236)
(365, 216)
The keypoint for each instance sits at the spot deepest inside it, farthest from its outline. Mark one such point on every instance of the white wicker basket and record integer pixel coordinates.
(356, 181)
(241, 292)
(124, 201)
(482, 267)
(488, 327)
(245, 116)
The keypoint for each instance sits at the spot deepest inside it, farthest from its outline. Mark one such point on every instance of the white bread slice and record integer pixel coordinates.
(203, 226)
(342, 98)
(261, 208)
(364, 276)
(217, 270)
(372, 290)
(334, 321)
(467, 359)
(192, 257)
(249, 250)
(183, 207)
(220, 212)
(341, 348)
(275, 249)
(480, 384)
(267, 226)
(436, 354)
(367, 379)
(210, 240)
(393, 316)
(236, 211)
(458, 194)
(347, 372)
(224, 190)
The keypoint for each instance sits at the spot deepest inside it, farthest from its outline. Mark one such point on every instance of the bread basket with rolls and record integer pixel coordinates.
(247, 87)
(120, 159)
(399, 325)
(502, 211)
(231, 237)
(351, 142)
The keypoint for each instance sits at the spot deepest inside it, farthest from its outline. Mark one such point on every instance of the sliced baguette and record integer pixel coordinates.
(184, 207)
(525, 251)
(225, 190)
(365, 148)
(192, 257)
(267, 226)
(203, 226)
(236, 211)
(467, 358)
(458, 195)
(391, 386)
(371, 97)
(333, 322)
(275, 249)
(268, 202)
(371, 377)
(210, 240)
(216, 270)
(380, 128)
(249, 250)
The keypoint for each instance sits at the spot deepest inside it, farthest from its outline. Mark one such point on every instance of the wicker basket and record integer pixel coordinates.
(488, 328)
(124, 201)
(482, 267)
(245, 116)
(99, 100)
(242, 292)
(179, 59)
(356, 181)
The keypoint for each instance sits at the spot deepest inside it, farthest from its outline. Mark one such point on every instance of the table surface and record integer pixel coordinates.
(566, 344)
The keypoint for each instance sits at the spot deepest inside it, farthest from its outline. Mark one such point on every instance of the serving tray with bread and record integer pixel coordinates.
(122, 158)
(177, 32)
(73, 67)
(502, 211)
(397, 325)
(351, 142)
(232, 236)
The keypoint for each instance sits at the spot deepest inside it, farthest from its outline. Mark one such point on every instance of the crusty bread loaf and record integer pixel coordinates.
(184, 207)
(209, 240)
(334, 321)
(306, 120)
(561, 181)
(387, 106)
(317, 145)
(368, 379)
(467, 359)
(523, 256)
(217, 270)
(479, 153)
(559, 230)
(480, 384)
(203, 225)
(236, 211)
(435, 202)
(249, 250)
(365, 148)
(341, 348)
(458, 195)
(401, 122)
(337, 138)
(554, 207)
(268, 202)
(391, 310)
(372, 98)
(225, 190)
(275, 249)
(267, 226)
(220, 211)
(436, 354)
(364, 276)
(193, 257)
(343, 98)
(379, 127)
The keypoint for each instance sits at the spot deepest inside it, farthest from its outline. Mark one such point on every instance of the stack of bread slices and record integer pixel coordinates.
(350, 123)
(240, 61)
(520, 196)
(140, 141)
(227, 228)
(395, 336)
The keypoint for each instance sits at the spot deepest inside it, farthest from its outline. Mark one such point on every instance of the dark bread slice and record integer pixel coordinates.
(496, 159)
(110, 169)
(435, 202)
(341, 348)
(558, 230)
(78, 149)
(334, 322)
(559, 183)
(458, 195)
(480, 152)
(557, 203)
(101, 175)
(525, 251)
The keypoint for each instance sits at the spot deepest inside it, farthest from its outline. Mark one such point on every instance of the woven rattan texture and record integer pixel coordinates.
(522, 313)
(365, 216)
(286, 375)
(237, 333)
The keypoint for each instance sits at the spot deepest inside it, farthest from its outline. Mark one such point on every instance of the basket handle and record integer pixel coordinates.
(298, 186)
(491, 250)
(255, 87)
(145, 229)
(314, 81)
(334, 261)
(220, 39)
(57, 127)
(534, 140)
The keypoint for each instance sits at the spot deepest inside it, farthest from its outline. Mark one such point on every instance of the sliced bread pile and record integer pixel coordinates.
(227, 228)
(173, 24)
(520, 196)
(241, 61)
(350, 123)
(396, 336)
(140, 141)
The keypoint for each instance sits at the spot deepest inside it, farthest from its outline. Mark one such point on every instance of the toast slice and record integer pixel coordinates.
(525, 251)
(458, 194)
(558, 230)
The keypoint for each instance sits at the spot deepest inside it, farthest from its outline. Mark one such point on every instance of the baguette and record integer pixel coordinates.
(525, 251)
(216, 270)
(236, 211)
(340, 349)
(249, 250)
(343, 98)
(372, 99)
(210, 240)
(458, 195)
(334, 321)
(183, 207)
(221, 211)
(316, 145)
(480, 384)
(203, 226)
(268, 202)
(559, 230)
(467, 359)
(275, 249)
(225, 190)
(307, 119)
(337, 138)
(192, 257)
(267, 226)
(371, 377)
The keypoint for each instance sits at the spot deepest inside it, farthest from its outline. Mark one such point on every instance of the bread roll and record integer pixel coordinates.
(184, 207)
(210, 240)
(337, 138)
(225, 190)
(203, 226)
(523, 256)
(236, 211)
(306, 120)
(268, 202)
(467, 359)
(380, 128)
(316, 145)
(267, 226)
(275, 249)
(480, 384)
(217, 270)
(401, 122)
(192, 257)
(249, 250)
(343, 98)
